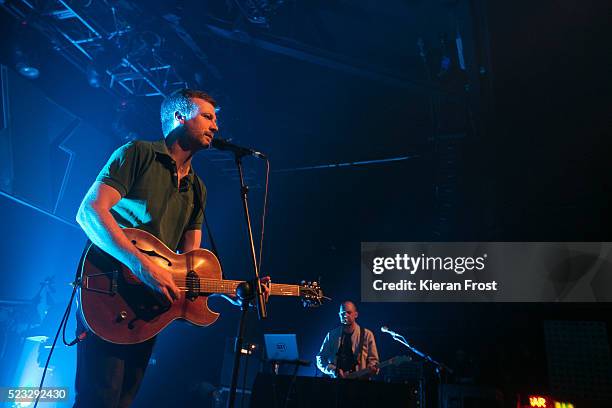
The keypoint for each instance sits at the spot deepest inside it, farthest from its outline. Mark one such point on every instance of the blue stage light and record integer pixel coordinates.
(28, 71)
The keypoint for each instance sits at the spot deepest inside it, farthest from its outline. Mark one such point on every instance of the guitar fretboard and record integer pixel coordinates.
(208, 285)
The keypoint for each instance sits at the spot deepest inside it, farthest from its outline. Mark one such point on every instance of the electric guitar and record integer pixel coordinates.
(390, 362)
(116, 306)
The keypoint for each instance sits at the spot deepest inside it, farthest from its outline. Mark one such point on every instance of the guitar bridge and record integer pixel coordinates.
(107, 278)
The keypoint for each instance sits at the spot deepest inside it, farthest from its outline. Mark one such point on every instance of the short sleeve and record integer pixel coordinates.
(197, 217)
(123, 167)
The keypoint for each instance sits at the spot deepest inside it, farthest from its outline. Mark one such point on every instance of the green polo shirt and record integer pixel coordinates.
(145, 175)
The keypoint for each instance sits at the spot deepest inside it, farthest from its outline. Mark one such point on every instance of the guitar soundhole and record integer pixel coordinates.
(152, 253)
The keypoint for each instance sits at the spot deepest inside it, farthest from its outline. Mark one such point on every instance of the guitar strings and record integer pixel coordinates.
(228, 290)
(219, 283)
(224, 282)
(182, 289)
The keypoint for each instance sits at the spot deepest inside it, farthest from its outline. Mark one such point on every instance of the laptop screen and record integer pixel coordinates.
(281, 347)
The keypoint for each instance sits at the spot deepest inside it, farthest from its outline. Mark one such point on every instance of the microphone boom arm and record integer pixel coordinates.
(401, 339)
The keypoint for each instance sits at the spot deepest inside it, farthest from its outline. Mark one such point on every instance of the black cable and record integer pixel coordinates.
(62, 328)
(244, 377)
(265, 212)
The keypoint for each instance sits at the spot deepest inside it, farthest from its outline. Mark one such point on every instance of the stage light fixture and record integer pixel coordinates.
(93, 77)
(24, 65)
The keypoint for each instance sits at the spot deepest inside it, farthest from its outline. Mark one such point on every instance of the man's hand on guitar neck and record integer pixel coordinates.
(266, 283)
(266, 287)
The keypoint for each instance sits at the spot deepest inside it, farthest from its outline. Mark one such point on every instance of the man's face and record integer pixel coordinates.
(201, 127)
(347, 314)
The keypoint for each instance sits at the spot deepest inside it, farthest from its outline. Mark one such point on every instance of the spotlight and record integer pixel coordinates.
(24, 66)
(25, 44)
(93, 78)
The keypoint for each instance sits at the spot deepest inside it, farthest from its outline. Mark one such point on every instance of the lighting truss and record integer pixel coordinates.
(153, 79)
(98, 34)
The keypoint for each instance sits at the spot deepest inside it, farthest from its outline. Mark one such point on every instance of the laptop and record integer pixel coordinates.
(281, 347)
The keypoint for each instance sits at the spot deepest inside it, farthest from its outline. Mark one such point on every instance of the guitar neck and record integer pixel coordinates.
(229, 287)
(364, 371)
(385, 363)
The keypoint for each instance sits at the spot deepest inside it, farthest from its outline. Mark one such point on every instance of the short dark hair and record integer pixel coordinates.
(351, 302)
(180, 101)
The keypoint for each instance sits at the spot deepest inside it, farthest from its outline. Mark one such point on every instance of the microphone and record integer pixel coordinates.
(223, 144)
(385, 329)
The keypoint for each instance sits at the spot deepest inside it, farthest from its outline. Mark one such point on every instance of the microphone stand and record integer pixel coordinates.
(245, 291)
(441, 368)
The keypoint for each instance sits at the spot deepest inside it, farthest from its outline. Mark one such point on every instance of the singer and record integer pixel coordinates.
(150, 186)
(349, 347)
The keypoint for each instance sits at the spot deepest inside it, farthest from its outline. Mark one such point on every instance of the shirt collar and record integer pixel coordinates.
(160, 147)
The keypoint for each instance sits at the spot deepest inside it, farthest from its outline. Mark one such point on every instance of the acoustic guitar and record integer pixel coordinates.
(116, 306)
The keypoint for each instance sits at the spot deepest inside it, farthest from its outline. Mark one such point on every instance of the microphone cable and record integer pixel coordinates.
(61, 328)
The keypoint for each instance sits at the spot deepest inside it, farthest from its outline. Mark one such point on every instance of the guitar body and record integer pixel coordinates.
(119, 308)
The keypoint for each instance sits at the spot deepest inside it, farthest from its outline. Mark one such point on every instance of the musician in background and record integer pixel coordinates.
(149, 186)
(349, 347)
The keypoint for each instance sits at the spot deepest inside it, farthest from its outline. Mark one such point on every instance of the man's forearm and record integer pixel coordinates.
(325, 367)
(102, 229)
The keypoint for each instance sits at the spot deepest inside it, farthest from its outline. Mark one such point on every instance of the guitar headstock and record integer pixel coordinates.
(312, 294)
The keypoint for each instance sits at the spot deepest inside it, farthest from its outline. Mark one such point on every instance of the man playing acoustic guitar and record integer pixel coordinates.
(150, 186)
(348, 347)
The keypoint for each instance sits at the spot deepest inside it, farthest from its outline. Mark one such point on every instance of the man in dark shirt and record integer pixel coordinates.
(150, 186)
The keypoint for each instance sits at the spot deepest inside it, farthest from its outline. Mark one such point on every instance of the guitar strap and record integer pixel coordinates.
(198, 205)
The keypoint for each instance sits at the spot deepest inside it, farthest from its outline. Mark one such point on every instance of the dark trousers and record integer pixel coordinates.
(108, 375)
